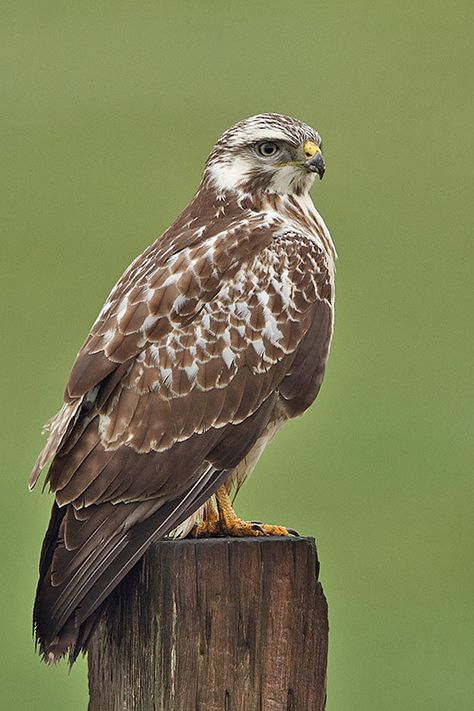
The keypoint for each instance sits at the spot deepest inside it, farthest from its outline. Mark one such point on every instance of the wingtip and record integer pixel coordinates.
(52, 652)
(52, 657)
(33, 478)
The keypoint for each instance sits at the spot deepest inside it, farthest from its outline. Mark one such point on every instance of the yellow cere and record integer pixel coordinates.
(310, 149)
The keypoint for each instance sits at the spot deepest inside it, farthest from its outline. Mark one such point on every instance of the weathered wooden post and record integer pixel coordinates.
(219, 624)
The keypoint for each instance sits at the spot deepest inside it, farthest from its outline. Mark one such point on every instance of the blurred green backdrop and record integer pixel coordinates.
(108, 112)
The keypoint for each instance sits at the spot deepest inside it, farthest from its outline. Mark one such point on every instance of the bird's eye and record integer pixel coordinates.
(268, 148)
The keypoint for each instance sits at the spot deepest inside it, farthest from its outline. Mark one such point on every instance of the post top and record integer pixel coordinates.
(235, 541)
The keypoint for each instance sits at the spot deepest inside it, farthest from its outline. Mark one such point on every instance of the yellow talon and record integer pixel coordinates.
(232, 525)
(223, 521)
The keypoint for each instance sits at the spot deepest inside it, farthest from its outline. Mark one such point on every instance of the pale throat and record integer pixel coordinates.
(288, 180)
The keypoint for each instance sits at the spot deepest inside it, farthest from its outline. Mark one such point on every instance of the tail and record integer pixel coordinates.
(87, 552)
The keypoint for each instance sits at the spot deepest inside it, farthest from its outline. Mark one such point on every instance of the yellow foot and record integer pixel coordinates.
(231, 525)
(270, 530)
(238, 528)
(225, 522)
(205, 530)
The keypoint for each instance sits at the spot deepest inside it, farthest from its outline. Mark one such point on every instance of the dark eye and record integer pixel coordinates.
(268, 148)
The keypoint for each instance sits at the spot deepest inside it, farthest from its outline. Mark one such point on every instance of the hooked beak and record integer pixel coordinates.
(316, 164)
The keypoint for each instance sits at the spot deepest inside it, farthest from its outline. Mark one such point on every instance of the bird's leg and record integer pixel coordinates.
(232, 525)
(223, 521)
(210, 524)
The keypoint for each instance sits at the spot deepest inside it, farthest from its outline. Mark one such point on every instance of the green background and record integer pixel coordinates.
(108, 110)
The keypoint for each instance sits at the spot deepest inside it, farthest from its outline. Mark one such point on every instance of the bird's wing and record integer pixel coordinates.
(179, 377)
(166, 286)
(211, 363)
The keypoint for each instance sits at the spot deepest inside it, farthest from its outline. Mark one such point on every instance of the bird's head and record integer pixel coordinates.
(266, 153)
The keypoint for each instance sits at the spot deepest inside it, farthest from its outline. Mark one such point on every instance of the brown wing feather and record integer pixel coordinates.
(88, 551)
(154, 294)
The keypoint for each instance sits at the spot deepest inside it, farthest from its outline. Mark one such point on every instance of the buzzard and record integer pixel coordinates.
(213, 337)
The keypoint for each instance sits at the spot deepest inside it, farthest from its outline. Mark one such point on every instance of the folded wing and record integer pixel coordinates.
(179, 377)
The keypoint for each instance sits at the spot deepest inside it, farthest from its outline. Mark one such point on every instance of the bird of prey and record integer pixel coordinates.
(213, 337)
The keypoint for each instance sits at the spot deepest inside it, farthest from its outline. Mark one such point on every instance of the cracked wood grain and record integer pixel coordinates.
(222, 624)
